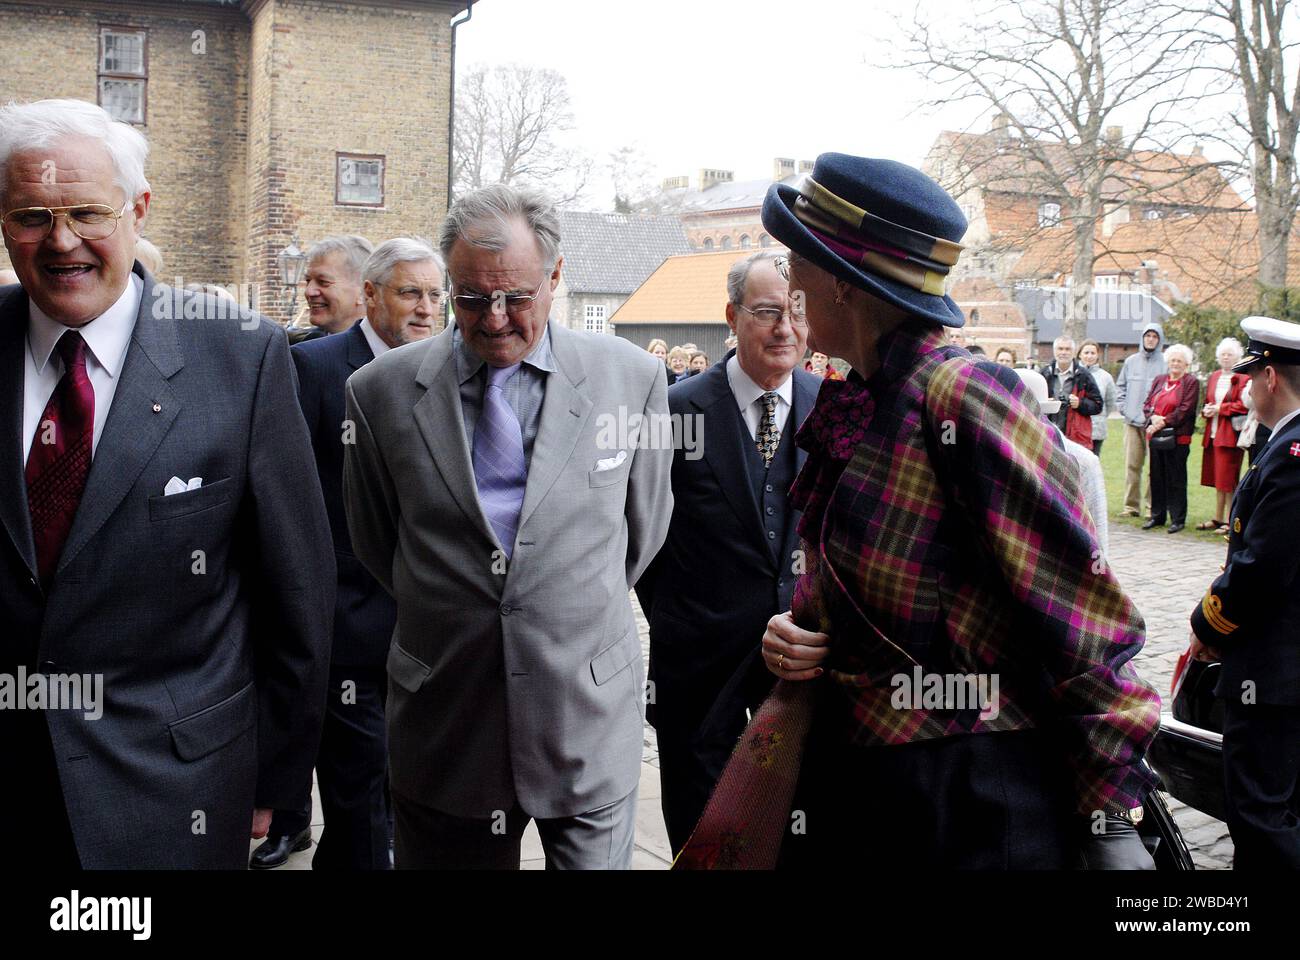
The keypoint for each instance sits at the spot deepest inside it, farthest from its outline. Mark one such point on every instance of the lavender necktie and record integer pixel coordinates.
(499, 467)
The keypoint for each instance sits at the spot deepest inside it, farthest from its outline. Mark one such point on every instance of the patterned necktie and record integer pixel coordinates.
(500, 470)
(768, 435)
(60, 456)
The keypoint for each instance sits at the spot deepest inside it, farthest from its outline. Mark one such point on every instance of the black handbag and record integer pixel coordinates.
(1163, 439)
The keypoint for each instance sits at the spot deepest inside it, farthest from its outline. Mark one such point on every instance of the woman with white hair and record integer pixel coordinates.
(1171, 420)
(1225, 413)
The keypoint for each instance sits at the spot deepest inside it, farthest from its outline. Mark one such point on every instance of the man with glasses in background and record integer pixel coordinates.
(403, 285)
(149, 546)
(501, 489)
(729, 562)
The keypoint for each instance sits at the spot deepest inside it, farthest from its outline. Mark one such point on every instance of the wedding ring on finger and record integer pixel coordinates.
(780, 662)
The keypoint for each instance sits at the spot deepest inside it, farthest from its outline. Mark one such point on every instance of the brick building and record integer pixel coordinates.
(723, 213)
(269, 121)
(1166, 218)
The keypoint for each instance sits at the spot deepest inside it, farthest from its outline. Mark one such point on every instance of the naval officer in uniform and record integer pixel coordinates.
(1250, 617)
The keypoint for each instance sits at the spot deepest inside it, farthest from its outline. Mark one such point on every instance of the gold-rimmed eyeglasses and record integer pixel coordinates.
(476, 304)
(89, 221)
(410, 296)
(771, 316)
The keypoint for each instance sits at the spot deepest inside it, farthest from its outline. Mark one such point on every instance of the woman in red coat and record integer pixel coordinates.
(1221, 465)
(1171, 421)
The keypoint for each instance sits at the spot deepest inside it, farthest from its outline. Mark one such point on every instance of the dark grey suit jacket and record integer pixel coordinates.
(214, 681)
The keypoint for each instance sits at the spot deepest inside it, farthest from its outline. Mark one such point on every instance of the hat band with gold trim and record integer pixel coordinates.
(910, 257)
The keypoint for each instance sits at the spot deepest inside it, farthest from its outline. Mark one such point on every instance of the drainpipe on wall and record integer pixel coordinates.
(451, 106)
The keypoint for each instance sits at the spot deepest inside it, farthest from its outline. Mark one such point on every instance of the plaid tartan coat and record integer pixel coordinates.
(944, 529)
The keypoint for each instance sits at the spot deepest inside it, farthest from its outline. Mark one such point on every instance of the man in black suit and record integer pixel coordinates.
(1250, 618)
(162, 533)
(729, 562)
(403, 285)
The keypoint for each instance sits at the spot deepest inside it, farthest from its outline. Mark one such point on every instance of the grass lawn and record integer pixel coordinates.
(1200, 500)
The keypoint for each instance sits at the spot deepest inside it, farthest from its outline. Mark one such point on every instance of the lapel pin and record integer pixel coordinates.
(157, 408)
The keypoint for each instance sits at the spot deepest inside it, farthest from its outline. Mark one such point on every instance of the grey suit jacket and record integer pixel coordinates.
(526, 683)
(214, 664)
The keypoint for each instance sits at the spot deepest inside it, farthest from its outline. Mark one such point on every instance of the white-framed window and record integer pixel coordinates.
(1152, 213)
(593, 318)
(1107, 281)
(359, 180)
(745, 242)
(1049, 213)
(764, 240)
(708, 243)
(726, 243)
(124, 72)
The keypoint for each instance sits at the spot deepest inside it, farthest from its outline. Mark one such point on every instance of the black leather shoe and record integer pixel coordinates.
(1152, 522)
(274, 851)
(1175, 527)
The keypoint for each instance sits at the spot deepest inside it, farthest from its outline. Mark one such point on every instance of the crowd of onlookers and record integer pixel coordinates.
(1155, 395)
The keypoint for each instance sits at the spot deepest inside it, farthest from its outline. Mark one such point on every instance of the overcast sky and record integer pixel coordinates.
(719, 83)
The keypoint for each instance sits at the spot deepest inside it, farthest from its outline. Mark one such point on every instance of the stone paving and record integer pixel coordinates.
(1165, 576)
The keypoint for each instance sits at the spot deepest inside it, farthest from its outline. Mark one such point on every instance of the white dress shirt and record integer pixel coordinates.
(377, 345)
(107, 338)
(747, 394)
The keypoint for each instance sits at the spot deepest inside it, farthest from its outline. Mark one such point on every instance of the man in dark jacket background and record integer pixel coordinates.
(728, 564)
(1070, 382)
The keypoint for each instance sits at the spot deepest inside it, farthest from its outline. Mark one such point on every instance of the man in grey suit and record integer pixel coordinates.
(499, 489)
(164, 540)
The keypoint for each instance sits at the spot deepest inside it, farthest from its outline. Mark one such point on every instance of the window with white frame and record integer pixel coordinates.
(593, 318)
(359, 180)
(1049, 214)
(744, 241)
(124, 72)
(1106, 281)
(1152, 213)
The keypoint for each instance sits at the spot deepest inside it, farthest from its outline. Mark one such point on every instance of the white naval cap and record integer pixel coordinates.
(1271, 341)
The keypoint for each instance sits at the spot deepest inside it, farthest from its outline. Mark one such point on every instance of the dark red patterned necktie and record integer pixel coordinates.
(60, 456)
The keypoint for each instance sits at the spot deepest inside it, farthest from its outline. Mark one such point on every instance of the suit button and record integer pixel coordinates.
(770, 511)
(771, 534)
(767, 487)
(506, 609)
(46, 666)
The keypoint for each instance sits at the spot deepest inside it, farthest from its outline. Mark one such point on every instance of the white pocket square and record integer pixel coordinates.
(177, 485)
(609, 463)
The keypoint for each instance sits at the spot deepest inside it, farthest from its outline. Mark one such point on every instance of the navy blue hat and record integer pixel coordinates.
(877, 224)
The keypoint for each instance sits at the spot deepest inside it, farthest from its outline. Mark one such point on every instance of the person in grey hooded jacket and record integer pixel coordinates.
(1131, 388)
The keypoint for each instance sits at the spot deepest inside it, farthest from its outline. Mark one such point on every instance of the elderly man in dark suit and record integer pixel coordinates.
(164, 536)
(728, 564)
(403, 287)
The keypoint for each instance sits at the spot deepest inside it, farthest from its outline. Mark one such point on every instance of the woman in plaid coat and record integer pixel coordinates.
(957, 658)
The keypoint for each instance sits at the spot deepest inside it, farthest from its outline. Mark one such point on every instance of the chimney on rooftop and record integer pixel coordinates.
(676, 183)
(805, 166)
(1115, 135)
(782, 167)
(1001, 126)
(709, 178)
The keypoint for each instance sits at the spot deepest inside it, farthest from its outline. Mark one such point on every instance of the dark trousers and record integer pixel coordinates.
(1096, 445)
(1169, 484)
(993, 801)
(351, 771)
(34, 829)
(685, 784)
(1261, 771)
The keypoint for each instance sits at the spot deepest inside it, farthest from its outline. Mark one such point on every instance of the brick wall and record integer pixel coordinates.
(244, 134)
(194, 121)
